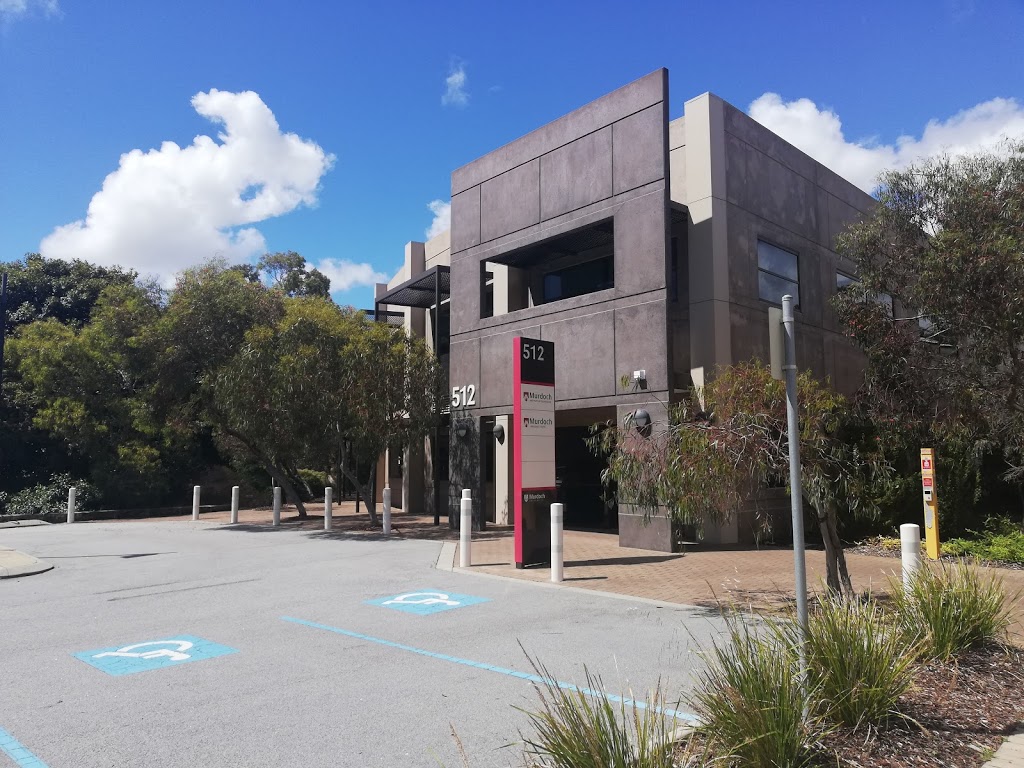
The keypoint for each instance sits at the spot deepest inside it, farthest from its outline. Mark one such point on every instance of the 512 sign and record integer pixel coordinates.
(464, 396)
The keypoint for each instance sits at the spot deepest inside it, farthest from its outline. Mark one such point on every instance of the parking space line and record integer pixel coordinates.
(491, 668)
(18, 752)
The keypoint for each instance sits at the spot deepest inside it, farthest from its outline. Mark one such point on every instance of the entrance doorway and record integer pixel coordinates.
(578, 471)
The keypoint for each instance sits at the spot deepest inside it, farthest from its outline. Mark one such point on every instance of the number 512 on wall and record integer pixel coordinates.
(463, 396)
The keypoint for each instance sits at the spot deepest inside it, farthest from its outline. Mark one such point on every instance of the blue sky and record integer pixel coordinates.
(361, 87)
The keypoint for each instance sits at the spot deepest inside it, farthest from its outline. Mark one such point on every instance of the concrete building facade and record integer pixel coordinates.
(636, 243)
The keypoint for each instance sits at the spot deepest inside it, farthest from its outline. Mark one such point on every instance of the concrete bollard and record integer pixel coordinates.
(328, 508)
(72, 492)
(195, 502)
(465, 528)
(910, 547)
(234, 504)
(557, 518)
(387, 511)
(277, 505)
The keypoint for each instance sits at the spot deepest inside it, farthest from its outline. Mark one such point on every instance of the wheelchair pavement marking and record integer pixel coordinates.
(153, 654)
(426, 602)
(18, 752)
(491, 668)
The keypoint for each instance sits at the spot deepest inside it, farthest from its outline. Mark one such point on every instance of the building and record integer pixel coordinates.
(637, 243)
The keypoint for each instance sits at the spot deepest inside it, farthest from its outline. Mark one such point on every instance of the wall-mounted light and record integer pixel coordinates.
(641, 419)
(499, 433)
(461, 429)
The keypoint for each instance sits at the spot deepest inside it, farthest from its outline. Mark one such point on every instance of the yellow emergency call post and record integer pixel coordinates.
(931, 503)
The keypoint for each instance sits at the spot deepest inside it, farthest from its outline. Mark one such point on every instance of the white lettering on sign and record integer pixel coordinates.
(533, 352)
(131, 652)
(463, 396)
(926, 463)
(421, 598)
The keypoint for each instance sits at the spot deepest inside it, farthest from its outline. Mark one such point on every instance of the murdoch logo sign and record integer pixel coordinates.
(538, 397)
(536, 422)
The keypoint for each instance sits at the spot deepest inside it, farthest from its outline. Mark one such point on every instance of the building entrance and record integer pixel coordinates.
(578, 471)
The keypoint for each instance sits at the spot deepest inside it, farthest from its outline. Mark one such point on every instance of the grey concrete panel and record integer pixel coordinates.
(641, 242)
(653, 534)
(496, 366)
(584, 355)
(840, 216)
(465, 212)
(846, 191)
(577, 174)
(848, 365)
(510, 202)
(765, 187)
(744, 127)
(641, 343)
(464, 367)
(638, 95)
(465, 287)
(640, 145)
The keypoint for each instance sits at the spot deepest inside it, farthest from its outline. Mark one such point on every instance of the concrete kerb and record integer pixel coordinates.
(14, 564)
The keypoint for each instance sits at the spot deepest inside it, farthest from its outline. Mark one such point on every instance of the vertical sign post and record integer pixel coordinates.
(931, 504)
(533, 447)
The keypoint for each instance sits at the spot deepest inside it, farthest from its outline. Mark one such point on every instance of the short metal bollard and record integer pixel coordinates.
(72, 492)
(387, 511)
(277, 505)
(328, 508)
(910, 549)
(195, 502)
(557, 518)
(234, 504)
(465, 528)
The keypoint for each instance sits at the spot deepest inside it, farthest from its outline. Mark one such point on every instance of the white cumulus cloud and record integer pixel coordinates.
(345, 274)
(172, 207)
(455, 86)
(819, 133)
(442, 218)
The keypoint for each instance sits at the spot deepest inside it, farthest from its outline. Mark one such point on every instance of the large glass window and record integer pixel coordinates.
(778, 273)
(579, 279)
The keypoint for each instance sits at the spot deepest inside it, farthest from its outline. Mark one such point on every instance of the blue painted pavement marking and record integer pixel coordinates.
(152, 654)
(18, 752)
(500, 670)
(427, 601)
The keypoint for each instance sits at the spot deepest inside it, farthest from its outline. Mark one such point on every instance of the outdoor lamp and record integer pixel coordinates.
(461, 429)
(642, 421)
(499, 433)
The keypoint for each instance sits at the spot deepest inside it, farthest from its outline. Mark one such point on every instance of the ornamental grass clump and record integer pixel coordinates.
(581, 727)
(750, 703)
(858, 664)
(952, 607)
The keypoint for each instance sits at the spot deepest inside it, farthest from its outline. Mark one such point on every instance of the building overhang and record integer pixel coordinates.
(423, 291)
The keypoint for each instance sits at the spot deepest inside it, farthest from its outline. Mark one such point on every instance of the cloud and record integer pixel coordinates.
(819, 133)
(442, 218)
(345, 274)
(171, 207)
(16, 9)
(455, 84)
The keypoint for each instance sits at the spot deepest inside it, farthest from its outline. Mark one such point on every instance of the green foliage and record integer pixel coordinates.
(315, 481)
(858, 665)
(952, 607)
(287, 273)
(1004, 545)
(750, 703)
(576, 730)
(50, 497)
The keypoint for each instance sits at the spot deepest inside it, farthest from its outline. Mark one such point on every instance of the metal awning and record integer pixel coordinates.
(423, 291)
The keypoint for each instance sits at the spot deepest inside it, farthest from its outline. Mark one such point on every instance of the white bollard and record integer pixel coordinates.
(72, 492)
(234, 504)
(277, 505)
(465, 528)
(328, 508)
(195, 502)
(387, 511)
(910, 547)
(557, 518)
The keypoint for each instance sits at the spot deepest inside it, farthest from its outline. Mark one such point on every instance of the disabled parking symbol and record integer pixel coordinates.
(427, 601)
(152, 654)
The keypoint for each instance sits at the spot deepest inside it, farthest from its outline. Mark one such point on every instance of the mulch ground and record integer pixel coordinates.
(872, 547)
(955, 716)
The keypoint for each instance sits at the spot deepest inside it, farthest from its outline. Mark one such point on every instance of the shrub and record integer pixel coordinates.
(52, 497)
(952, 607)
(1001, 542)
(577, 729)
(750, 703)
(858, 666)
(317, 481)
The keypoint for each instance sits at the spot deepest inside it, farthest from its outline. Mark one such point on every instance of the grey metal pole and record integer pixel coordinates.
(796, 490)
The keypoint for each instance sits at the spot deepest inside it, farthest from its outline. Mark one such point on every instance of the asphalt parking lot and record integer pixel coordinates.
(197, 644)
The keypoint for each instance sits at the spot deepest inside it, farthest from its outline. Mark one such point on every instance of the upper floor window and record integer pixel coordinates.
(778, 273)
(845, 281)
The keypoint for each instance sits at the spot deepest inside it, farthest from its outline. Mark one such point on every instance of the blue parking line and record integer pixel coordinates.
(18, 752)
(500, 670)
